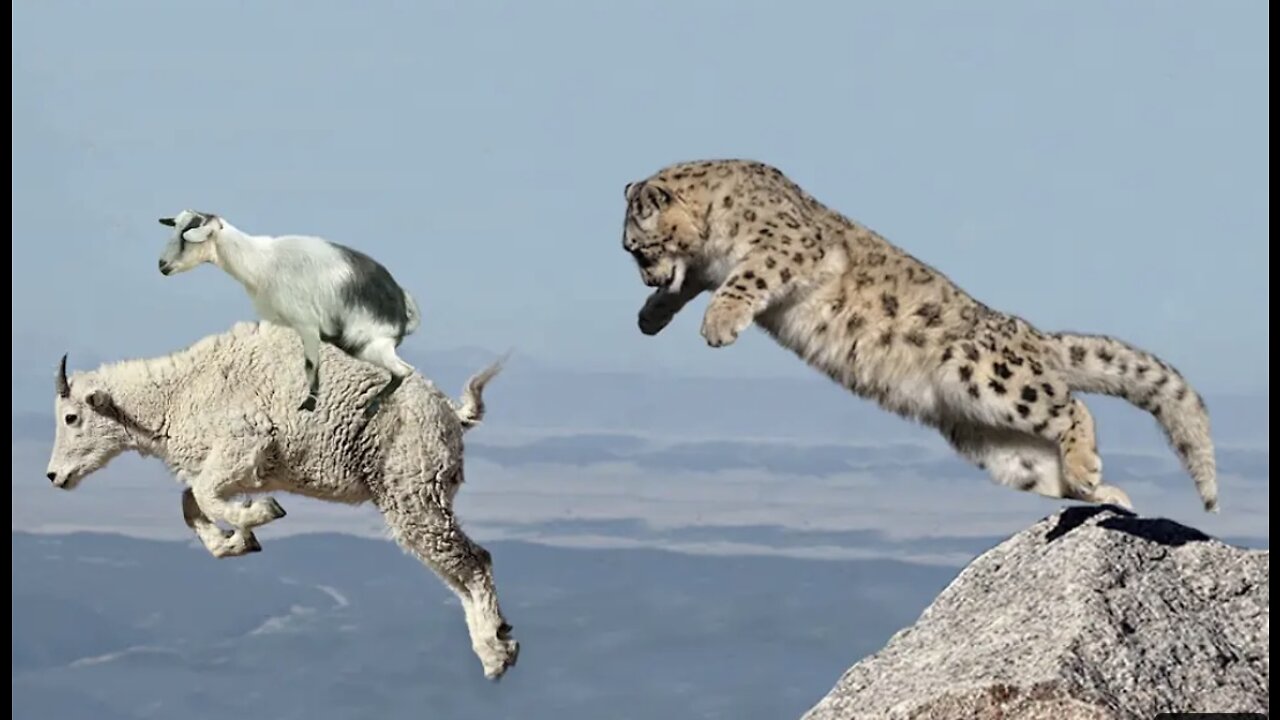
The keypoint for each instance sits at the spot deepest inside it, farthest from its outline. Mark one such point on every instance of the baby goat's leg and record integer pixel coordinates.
(311, 351)
(217, 541)
(382, 352)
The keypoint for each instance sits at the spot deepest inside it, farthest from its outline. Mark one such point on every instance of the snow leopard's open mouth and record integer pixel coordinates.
(672, 280)
(677, 277)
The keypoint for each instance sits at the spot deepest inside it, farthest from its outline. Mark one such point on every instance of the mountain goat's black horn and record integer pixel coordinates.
(168, 222)
(60, 382)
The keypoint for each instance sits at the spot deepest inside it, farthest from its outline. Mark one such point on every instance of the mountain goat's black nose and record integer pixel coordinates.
(164, 267)
(53, 476)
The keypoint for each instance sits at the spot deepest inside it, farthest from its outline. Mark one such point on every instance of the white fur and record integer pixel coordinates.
(213, 413)
(293, 280)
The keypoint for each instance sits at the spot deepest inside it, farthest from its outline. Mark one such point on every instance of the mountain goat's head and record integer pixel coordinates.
(192, 242)
(89, 429)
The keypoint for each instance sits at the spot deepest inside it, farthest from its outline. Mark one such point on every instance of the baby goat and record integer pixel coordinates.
(325, 291)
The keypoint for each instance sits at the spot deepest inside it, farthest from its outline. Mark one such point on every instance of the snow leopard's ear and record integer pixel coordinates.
(649, 197)
(659, 195)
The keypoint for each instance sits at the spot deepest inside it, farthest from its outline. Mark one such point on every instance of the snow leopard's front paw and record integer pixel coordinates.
(724, 321)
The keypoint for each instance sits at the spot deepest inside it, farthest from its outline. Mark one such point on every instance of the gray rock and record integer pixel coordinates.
(1092, 613)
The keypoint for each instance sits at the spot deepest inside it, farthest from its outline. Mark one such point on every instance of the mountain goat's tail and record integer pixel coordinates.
(471, 410)
(1101, 364)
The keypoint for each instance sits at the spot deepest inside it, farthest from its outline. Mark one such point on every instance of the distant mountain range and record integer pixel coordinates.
(328, 627)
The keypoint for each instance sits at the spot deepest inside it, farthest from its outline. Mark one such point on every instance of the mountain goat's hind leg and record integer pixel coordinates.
(430, 531)
(220, 543)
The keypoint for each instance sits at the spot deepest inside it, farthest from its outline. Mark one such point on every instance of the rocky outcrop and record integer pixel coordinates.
(1092, 613)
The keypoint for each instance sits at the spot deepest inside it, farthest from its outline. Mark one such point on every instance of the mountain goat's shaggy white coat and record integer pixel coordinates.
(216, 414)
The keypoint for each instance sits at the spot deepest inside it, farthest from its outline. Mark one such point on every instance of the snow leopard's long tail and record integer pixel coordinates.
(1106, 365)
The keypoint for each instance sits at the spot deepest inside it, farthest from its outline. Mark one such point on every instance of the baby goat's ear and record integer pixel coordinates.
(202, 233)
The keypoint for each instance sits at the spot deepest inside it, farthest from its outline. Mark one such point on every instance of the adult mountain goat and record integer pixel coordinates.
(218, 415)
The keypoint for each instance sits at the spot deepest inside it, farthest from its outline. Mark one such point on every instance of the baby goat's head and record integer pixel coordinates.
(192, 242)
(89, 429)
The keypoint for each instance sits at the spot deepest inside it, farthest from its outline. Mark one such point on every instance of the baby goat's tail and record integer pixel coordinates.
(1100, 364)
(471, 410)
(413, 317)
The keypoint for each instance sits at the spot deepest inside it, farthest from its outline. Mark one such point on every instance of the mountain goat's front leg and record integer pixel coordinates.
(230, 470)
(753, 283)
(430, 531)
(220, 543)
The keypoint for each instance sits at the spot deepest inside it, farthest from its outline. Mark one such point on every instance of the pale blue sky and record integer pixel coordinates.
(1090, 165)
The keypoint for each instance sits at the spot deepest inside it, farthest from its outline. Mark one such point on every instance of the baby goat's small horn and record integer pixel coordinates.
(168, 222)
(60, 382)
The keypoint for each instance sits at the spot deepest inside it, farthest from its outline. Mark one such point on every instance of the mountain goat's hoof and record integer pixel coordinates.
(251, 544)
(308, 405)
(515, 653)
(273, 508)
(504, 631)
(498, 656)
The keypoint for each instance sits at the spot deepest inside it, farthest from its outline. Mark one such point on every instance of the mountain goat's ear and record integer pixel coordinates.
(100, 400)
(169, 222)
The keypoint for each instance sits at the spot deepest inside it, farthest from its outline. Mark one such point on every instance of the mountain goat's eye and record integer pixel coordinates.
(71, 418)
